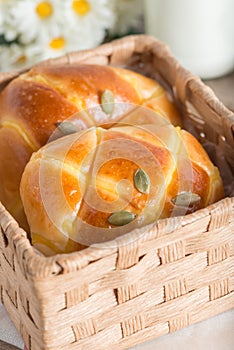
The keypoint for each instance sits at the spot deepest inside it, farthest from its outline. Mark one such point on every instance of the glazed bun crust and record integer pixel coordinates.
(32, 105)
(72, 186)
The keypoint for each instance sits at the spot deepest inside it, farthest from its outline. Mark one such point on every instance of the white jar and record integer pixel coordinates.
(200, 33)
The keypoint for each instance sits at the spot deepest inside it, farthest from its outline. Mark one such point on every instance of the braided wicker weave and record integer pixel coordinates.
(145, 284)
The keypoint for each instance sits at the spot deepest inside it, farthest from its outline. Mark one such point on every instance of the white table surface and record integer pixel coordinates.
(216, 333)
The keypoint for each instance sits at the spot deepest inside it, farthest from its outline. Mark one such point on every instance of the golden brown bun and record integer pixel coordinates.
(32, 105)
(72, 186)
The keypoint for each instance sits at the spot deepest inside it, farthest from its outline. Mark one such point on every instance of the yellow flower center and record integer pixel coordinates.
(44, 9)
(21, 59)
(57, 43)
(81, 7)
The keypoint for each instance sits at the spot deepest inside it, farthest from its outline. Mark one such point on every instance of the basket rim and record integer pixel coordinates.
(58, 263)
(138, 43)
(68, 262)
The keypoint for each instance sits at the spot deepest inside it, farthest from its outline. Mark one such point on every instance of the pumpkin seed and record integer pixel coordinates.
(141, 181)
(185, 199)
(67, 128)
(121, 218)
(107, 101)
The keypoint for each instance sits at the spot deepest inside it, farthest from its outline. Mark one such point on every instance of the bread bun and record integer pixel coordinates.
(97, 184)
(32, 105)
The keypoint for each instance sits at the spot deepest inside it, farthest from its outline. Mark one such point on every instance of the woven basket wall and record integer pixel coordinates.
(145, 284)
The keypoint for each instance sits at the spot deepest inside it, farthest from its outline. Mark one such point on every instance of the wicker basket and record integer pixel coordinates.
(147, 283)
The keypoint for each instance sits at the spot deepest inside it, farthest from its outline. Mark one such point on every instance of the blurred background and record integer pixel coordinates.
(33, 30)
(200, 33)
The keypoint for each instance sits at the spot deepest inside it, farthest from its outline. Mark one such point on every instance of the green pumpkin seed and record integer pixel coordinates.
(142, 181)
(107, 101)
(67, 128)
(186, 199)
(121, 218)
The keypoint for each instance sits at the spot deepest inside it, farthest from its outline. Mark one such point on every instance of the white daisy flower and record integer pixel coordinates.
(3, 11)
(90, 12)
(85, 27)
(6, 54)
(55, 46)
(70, 40)
(1, 17)
(128, 16)
(44, 29)
(30, 19)
(9, 55)
(93, 17)
(17, 56)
